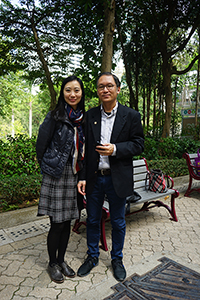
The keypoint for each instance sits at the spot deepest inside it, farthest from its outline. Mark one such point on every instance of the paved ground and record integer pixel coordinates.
(150, 236)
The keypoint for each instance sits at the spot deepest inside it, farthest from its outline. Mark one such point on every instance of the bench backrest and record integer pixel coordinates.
(192, 158)
(139, 174)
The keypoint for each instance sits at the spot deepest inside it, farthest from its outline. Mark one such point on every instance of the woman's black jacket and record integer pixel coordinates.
(54, 144)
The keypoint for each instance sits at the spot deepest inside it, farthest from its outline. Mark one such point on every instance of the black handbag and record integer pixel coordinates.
(131, 199)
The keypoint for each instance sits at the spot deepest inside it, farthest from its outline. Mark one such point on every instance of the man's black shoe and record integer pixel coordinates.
(87, 266)
(118, 269)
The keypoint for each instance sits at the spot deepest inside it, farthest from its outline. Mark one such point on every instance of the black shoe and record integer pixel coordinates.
(118, 269)
(87, 266)
(55, 273)
(66, 270)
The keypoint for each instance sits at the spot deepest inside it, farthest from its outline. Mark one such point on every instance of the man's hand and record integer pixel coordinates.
(81, 187)
(105, 149)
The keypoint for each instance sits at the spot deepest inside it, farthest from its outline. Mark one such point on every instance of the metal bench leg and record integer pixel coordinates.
(103, 233)
(173, 211)
(189, 188)
(77, 224)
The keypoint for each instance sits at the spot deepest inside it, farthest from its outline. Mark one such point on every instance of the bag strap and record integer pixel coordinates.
(166, 177)
(147, 178)
(156, 171)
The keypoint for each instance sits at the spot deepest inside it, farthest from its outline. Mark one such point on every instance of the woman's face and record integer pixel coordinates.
(72, 93)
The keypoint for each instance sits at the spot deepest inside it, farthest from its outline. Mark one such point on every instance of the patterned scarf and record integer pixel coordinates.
(78, 153)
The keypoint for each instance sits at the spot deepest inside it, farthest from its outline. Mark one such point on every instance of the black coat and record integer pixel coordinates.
(54, 144)
(127, 135)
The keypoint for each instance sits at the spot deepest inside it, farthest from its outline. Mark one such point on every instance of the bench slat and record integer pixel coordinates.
(137, 163)
(145, 197)
(140, 185)
(139, 170)
(140, 177)
(193, 155)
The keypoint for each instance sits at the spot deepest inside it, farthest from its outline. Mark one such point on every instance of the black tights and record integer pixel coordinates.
(57, 241)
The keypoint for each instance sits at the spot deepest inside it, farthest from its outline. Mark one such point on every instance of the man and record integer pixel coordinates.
(108, 169)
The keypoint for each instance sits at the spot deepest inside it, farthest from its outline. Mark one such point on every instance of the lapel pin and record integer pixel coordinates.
(95, 123)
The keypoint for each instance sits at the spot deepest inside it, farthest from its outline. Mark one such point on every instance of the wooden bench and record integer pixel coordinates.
(193, 171)
(148, 200)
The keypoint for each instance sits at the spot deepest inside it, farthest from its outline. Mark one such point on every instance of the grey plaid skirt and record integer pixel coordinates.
(58, 197)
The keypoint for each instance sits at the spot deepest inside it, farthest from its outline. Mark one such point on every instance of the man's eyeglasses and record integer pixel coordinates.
(108, 86)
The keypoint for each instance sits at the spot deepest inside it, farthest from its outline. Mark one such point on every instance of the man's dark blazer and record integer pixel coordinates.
(127, 135)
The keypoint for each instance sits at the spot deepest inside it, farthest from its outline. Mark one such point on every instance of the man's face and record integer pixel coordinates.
(107, 89)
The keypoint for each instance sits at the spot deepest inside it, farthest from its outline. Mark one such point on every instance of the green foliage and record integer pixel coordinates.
(150, 149)
(9, 60)
(89, 103)
(175, 122)
(192, 130)
(18, 156)
(168, 148)
(17, 96)
(17, 189)
(20, 171)
(171, 167)
(123, 96)
(52, 37)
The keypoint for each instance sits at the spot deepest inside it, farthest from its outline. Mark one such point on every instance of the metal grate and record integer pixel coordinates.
(167, 281)
(23, 231)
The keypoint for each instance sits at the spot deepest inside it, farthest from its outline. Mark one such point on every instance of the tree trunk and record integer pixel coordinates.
(127, 68)
(149, 93)
(135, 99)
(143, 108)
(148, 107)
(154, 111)
(45, 68)
(137, 67)
(166, 71)
(197, 99)
(128, 74)
(174, 108)
(109, 27)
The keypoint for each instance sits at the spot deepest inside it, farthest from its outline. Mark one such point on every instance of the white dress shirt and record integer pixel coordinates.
(107, 122)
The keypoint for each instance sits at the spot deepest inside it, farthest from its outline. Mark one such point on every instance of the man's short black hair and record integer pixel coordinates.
(116, 79)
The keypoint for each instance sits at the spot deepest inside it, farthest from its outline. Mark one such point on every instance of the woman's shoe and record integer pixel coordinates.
(66, 270)
(55, 273)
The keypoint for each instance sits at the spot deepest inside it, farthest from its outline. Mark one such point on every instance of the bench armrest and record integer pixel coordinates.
(195, 167)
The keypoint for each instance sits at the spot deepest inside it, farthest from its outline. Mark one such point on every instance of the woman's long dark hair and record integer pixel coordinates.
(59, 110)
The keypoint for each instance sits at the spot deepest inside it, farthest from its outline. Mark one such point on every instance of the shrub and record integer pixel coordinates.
(18, 189)
(20, 172)
(168, 148)
(18, 156)
(150, 149)
(171, 167)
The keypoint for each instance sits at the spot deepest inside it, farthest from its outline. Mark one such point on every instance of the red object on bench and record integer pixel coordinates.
(193, 171)
(148, 199)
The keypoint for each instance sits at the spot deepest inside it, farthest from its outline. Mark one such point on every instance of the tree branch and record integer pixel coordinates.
(182, 45)
(174, 71)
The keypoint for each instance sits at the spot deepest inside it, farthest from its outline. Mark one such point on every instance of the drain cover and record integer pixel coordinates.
(167, 281)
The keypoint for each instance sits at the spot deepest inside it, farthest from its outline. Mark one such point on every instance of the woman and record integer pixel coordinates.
(60, 153)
